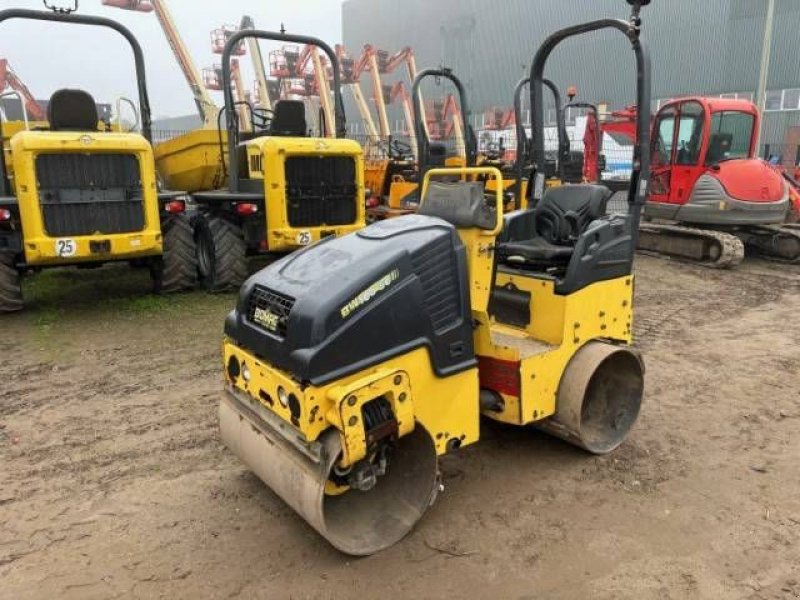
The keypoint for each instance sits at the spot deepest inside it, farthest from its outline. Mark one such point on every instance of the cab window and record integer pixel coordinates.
(662, 141)
(690, 134)
(731, 133)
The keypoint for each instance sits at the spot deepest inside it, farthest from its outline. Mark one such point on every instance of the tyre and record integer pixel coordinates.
(176, 271)
(221, 254)
(10, 287)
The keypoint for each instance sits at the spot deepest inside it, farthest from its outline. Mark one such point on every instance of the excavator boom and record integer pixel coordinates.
(9, 79)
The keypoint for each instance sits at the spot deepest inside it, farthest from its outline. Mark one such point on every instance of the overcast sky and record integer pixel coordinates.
(49, 56)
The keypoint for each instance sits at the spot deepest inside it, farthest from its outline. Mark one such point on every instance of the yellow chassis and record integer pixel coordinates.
(445, 407)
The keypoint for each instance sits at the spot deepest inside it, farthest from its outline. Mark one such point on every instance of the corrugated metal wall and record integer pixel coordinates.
(708, 47)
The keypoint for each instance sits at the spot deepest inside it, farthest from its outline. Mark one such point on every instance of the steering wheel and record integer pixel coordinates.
(398, 150)
(493, 151)
(261, 118)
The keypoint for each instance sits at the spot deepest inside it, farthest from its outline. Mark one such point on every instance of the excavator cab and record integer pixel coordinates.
(712, 197)
(351, 366)
(76, 191)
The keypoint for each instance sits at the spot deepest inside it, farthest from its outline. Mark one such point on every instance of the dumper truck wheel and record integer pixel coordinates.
(221, 254)
(10, 287)
(177, 270)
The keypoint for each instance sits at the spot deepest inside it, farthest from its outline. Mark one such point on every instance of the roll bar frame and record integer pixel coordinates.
(522, 137)
(423, 143)
(638, 189)
(75, 19)
(227, 87)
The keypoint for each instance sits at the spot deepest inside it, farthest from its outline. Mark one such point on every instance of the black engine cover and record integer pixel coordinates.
(346, 303)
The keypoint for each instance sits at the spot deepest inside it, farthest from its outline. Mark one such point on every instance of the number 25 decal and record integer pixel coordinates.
(304, 238)
(66, 247)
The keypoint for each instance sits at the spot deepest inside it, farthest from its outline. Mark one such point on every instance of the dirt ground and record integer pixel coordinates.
(113, 482)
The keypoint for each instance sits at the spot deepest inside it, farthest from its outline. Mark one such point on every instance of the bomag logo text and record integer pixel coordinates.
(267, 318)
(368, 294)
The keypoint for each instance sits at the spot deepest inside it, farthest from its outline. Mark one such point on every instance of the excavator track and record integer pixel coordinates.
(714, 249)
(777, 243)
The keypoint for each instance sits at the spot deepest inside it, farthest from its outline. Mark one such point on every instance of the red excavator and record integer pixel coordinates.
(710, 196)
(9, 79)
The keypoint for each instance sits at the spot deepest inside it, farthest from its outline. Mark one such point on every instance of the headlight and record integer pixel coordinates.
(283, 397)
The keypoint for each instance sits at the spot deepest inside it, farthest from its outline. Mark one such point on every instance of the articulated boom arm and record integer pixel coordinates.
(309, 55)
(9, 79)
(371, 57)
(205, 105)
(451, 115)
(406, 55)
(399, 91)
(258, 65)
(350, 78)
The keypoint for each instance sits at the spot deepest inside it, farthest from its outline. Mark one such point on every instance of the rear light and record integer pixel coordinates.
(499, 375)
(372, 202)
(175, 207)
(246, 208)
(5, 214)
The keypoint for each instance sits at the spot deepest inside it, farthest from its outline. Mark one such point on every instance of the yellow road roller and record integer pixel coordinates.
(353, 364)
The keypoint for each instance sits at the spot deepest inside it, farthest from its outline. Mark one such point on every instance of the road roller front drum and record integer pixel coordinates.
(355, 522)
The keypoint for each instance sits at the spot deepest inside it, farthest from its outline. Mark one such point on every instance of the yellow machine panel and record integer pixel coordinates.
(375, 175)
(42, 248)
(559, 326)
(407, 379)
(282, 236)
(193, 161)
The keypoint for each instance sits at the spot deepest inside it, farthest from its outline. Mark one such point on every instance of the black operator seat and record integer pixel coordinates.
(461, 204)
(718, 147)
(546, 235)
(72, 110)
(437, 155)
(288, 119)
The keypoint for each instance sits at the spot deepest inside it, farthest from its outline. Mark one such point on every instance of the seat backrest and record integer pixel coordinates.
(718, 147)
(461, 203)
(288, 119)
(565, 211)
(518, 225)
(437, 155)
(72, 110)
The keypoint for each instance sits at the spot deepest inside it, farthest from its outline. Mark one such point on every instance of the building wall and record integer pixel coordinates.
(709, 47)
